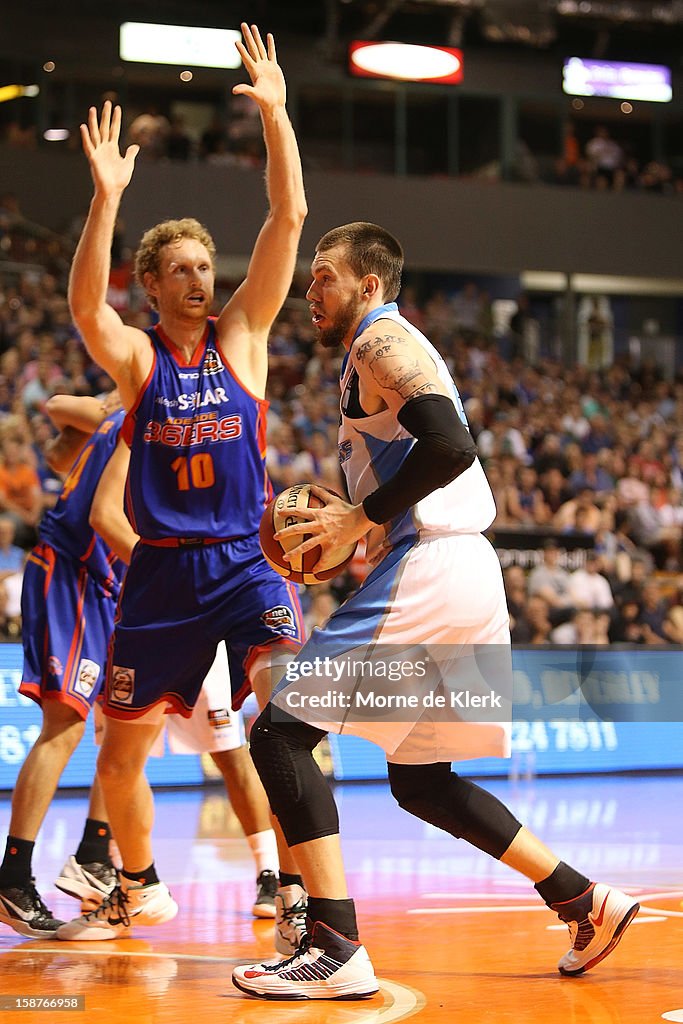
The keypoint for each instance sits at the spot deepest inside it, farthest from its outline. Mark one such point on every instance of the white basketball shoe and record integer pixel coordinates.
(122, 908)
(326, 966)
(597, 921)
(89, 883)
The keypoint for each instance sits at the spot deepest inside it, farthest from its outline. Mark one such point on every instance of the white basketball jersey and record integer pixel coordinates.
(371, 449)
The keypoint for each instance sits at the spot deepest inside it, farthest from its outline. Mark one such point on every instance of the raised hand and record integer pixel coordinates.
(268, 84)
(110, 171)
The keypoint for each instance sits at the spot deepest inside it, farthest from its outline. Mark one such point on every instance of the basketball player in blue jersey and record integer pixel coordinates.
(194, 390)
(70, 588)
(419, 495)
(213, 728)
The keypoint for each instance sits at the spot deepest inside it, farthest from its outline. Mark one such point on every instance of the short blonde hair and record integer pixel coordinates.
(147, 257)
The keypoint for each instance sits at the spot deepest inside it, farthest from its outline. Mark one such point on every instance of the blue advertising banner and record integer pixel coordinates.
(20, 722)
(582, 710)
(601, 709)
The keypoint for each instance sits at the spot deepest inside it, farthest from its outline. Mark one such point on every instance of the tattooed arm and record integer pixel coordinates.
(394, 372)
(392, 368)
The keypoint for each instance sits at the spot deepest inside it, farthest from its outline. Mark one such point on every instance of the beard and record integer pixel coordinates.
(348, 317)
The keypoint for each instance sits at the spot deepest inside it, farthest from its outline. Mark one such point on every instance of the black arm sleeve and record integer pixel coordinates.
(443, 450)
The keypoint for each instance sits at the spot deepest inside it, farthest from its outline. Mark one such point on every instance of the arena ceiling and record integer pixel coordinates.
(83, 34)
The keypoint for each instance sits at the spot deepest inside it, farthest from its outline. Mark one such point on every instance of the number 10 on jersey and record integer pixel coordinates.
(194, 471)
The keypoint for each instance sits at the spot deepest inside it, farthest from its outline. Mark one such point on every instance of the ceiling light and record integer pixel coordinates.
(56, 134)
(406, 62)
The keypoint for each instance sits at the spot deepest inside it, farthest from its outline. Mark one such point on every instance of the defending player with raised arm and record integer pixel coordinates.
(178, 276)
(201, 734)
(194, 389)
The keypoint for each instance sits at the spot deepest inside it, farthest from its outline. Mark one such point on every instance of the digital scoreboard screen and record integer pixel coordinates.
(618, 79)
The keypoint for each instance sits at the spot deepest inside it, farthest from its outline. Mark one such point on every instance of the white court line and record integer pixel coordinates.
(71, 947)
(477, 910)
(636, 920)
(659, 894)
(660, 910)
(517, 896)
(476, 896)
(404, 1001)
(502, 909)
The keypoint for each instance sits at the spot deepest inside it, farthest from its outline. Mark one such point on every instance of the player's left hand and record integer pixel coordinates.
(334, 526)
(111, 172)
(268, 87)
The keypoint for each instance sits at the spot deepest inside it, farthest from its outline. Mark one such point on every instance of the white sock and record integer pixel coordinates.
(264, 851)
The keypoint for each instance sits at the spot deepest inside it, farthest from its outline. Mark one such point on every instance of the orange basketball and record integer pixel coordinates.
(276, 516)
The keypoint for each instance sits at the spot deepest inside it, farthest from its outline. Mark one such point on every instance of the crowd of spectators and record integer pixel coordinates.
(586, 465)
(604, 164)
(232, 137)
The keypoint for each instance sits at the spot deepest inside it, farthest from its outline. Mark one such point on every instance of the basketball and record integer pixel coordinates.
(276, 516)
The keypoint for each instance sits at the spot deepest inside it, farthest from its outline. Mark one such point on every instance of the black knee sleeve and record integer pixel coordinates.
(438, 796)
(299, 796)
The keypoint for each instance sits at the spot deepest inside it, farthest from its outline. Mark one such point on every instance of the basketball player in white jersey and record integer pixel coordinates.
(419, 494)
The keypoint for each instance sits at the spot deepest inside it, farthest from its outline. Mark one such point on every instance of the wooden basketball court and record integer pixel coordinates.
(453, 935)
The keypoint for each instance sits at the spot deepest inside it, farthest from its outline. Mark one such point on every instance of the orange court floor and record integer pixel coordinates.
(454, 936)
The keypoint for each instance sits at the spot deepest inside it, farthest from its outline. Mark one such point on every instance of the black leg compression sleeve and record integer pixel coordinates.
(300, 798)
(437, 795)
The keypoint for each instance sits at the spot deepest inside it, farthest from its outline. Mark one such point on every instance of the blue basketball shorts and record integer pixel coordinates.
(67, 623)
(176, 605)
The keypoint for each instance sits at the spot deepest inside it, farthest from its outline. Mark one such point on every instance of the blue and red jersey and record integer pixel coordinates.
(198, 447)
(66, 527)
